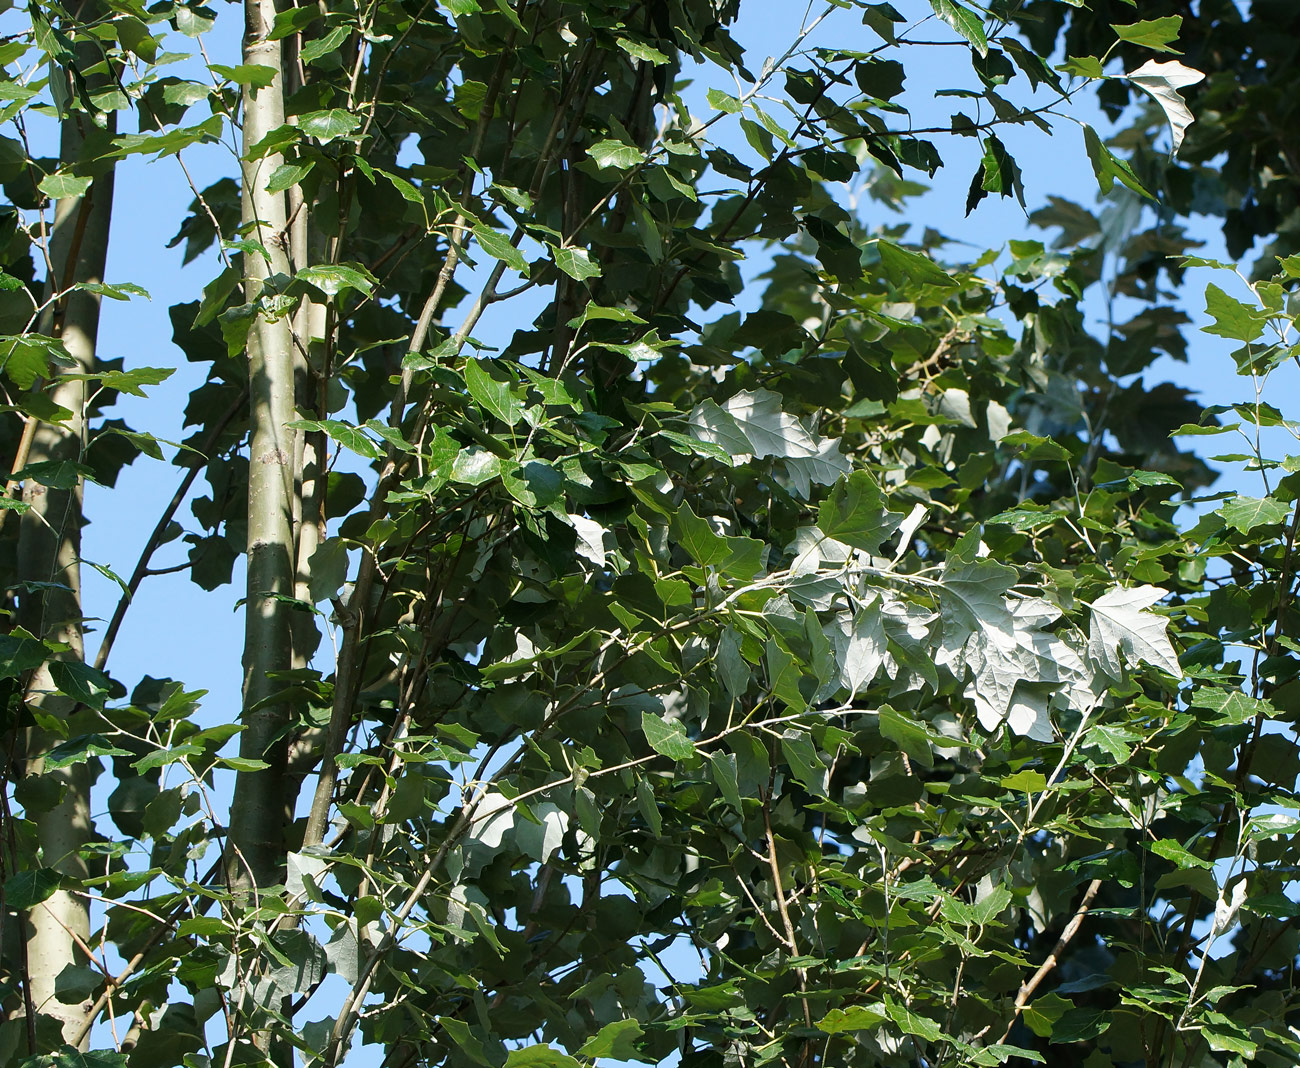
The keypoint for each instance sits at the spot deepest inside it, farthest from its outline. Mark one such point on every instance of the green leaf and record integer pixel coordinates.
(242, 763)
(609, 153)
(773, 127)
(1244, 514)
(31, 356)
(904, 267)
(287, 175)
(706, 546)
(912, 1023)
(160, 758)
(855, 1018)
(253, 75)
(1232, 707)
(459, 1031)
(193, 20)
(576, 263)
(172, 141)
(535, 484)
(646, 226)
(1225, 1037)
(1027, 781)
(326, 44)
(123, 291)
(906, 733)
(722, 767)
(881, 18)
(1108, 167)
(642, 51)
(29, 888)
(71, 1058)
(964, 21)
(1083, 67)
(1232, 318)
(474, 466)
(499, 247)
(80, 749)
(277, 140)
(801, 756)
(495, 397)
(134, 380)
(1176, 852)
(539, 1057)
(407, 191)
(1154, 33)
(1115, 741)
(724, 102)
(81, 682)
(1027, 517)
(1042, 1013)
(594, 311)
(334, 278)
(855, 513)
(292, 20)
(329, 125)
(667, 737)
(20, 653)
(998, 173)
(1262, 828)
(616, 1040)
(64, 186)
(350, 437)
(56, 474)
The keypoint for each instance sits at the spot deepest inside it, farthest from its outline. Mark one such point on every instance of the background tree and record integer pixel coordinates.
(829, 681)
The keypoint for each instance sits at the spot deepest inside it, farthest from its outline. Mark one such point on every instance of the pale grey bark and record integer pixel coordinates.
(49, 551)
(310, 327)
(257, 811)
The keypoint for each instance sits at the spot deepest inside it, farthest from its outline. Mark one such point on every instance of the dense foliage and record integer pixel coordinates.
(860, 677)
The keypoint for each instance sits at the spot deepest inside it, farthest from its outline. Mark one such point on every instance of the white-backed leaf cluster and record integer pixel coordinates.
(1123, 630)
(1015, 663)
(1000, 644)
(753, 423)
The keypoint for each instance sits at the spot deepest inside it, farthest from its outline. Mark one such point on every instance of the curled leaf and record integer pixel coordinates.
(1162, 81)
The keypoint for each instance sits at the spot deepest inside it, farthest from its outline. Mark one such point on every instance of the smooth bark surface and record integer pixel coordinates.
(49, 552)
(256, 826)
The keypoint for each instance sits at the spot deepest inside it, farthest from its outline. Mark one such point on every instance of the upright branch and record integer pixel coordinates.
(256, 836)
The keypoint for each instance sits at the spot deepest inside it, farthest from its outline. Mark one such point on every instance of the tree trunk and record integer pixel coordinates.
(257, 812)
(49, 551)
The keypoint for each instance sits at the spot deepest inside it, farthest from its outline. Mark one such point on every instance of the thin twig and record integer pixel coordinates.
(1053, 958)
(20, 461)
(783, 908)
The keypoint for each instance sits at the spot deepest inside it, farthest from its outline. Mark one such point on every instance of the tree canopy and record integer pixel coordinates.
(801, 639)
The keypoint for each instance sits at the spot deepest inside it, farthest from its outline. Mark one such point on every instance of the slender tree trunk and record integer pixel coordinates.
(257, 812)
(49, 551)
(310, 326)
